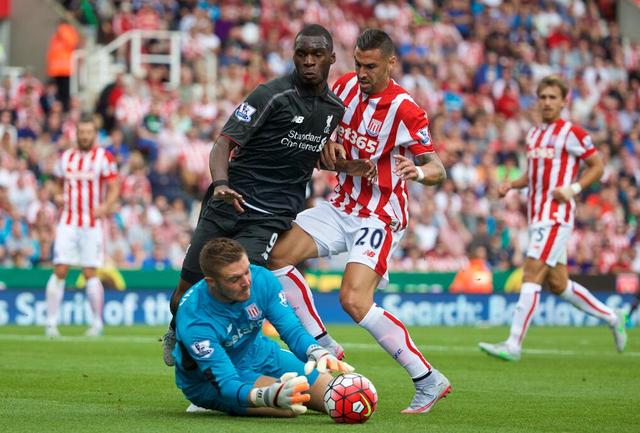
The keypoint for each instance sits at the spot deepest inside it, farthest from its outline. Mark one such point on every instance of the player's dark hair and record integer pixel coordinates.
(553, 81)
(87, 118)
(370, 39)
(316, 30)
(218, 253)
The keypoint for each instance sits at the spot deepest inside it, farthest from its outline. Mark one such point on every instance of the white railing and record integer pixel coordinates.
(93, 70)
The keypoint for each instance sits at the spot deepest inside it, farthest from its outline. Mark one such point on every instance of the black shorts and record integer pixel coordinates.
(256, 231)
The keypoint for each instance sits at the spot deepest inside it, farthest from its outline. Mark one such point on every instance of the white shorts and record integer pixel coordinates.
(368, 240)
(79, 246)
(548, 243)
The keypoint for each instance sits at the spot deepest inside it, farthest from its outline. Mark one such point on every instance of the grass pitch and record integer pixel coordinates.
(569, 380)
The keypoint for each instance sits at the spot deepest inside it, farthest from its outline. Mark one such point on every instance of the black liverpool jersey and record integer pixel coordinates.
(280, 130)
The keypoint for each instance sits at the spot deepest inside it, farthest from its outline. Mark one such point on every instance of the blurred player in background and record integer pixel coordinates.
(278, 134)
(367, 219)
(223, 362)
(554, 152)
(86, 171)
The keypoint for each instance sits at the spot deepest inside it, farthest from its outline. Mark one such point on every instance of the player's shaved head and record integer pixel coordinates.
(316, 30)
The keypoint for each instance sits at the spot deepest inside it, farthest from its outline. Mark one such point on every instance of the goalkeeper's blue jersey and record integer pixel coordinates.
(216, 340)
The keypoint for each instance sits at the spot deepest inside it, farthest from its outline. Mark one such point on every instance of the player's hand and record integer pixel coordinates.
(405, 168)
(286, 393)
(319, 358)
(563, 194)
(230, 196)
(331, 152)
(504, 188)
(363, 168)
(101, 211)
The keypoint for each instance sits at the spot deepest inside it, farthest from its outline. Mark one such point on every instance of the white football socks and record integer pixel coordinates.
(300, 298)
(392, 335)
(53, 294)
(526, 306)
(582, 299)
(95, 295)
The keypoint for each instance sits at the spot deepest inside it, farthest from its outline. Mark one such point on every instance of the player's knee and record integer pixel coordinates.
(61, 271)
(557, 286)
(353, 305)
(277, 261)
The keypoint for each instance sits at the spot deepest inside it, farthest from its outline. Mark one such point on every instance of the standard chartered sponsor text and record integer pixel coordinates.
(308, 141)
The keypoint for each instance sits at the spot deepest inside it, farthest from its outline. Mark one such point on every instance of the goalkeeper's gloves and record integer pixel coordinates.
(319, 358)
(286, 393)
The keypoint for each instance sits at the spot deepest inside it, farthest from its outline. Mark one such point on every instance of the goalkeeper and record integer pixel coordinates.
(223, 362)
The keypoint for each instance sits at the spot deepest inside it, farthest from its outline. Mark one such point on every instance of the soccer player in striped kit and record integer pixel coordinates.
(368, 219)
(555, 149)
(89, 192)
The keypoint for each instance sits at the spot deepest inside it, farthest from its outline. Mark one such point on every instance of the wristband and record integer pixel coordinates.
(576, 188)
(420, 174)
(219, 182)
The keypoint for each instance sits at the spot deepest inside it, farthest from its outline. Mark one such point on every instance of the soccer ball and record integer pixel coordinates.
(350, 398)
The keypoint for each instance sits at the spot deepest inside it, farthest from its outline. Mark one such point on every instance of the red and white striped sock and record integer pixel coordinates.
(582, 299)
(392, 335)
(300, 298)
(53, 295)
(526, 306)
(95, 294)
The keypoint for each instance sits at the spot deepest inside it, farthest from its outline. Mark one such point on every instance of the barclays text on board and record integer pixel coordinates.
(152, 308)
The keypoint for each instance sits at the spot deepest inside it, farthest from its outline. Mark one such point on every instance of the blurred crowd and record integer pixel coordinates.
(473, 66)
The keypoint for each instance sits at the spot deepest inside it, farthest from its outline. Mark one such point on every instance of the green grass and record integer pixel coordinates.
(569, 380)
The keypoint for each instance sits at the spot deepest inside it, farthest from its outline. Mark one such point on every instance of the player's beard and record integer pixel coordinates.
(85, 144)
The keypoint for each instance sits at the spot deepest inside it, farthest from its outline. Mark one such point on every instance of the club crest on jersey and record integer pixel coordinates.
(424, 136)
(253, 312)
(244, 112)
(374, 127)
(327, 129)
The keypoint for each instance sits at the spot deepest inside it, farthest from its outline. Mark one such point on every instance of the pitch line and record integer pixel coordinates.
(137, 339)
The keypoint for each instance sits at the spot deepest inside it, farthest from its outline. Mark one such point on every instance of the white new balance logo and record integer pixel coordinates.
(297, 119)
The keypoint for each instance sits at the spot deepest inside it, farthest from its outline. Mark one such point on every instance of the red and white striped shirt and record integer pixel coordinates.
(84, 175)
(554, 152)
(376, 127)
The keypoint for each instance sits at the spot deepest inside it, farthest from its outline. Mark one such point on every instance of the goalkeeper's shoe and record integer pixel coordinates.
(620, 331)
(428, 391)
(501, 351)
(168, 343)
(197, 409)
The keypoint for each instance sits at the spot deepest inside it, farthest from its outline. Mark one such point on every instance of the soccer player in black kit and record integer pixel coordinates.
(278, 134)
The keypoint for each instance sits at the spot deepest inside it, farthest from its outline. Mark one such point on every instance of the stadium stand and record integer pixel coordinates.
(473, 66)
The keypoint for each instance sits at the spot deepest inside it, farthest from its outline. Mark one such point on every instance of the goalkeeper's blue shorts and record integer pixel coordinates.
(279, 362)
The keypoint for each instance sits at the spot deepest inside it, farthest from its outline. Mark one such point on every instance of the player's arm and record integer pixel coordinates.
(219, 168)
(508, 185)
(593, 173)
(202, 347)
(333, 158)
(426, 168)
(109, 174)
(111, 199)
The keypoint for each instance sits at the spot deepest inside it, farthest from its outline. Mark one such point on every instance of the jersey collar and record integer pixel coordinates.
(302, 90)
